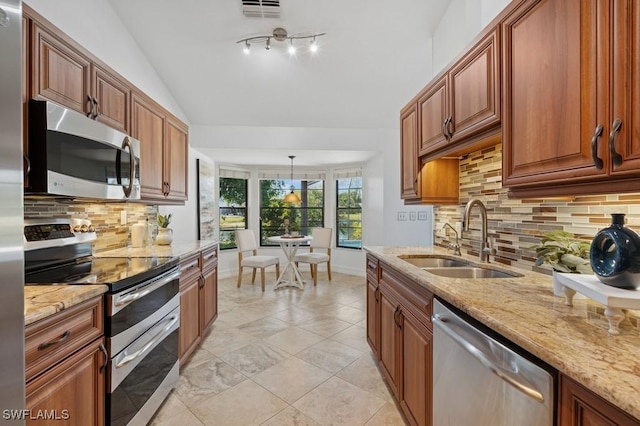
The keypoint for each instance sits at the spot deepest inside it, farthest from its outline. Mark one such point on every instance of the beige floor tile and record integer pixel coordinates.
(199, 356)
(291, 378)
(349, 314)
(205, 380)
(364, 374)
(294, 339)
(325, 326)
(329, 355)
(388, 415)
(244, 404)
(241, 316)
(254, 358)
(354, 336)
(221, 341)
(171, 407)
(337, 402)
(186, 418)
(264, 327)
(288, 417)
(295, 315)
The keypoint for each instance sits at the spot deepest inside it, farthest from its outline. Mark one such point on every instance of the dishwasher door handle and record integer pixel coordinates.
(441, 322)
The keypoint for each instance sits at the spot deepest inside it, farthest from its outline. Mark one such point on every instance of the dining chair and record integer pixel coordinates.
(321, 240)
(246, 242)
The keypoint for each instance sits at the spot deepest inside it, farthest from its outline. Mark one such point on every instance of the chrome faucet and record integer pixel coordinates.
(485, 249)
(453, 246)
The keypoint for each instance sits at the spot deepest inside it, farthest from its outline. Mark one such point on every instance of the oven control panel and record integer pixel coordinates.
(45, 232)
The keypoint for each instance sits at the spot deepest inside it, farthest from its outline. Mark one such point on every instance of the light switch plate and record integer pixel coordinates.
(402, 216)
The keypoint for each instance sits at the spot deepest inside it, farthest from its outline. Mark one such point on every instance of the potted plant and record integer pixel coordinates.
(564, 253)
(165, 234)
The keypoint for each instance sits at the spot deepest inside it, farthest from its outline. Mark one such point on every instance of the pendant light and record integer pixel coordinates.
(292, 197)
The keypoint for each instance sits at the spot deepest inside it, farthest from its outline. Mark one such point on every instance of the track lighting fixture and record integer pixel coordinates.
(280, 35)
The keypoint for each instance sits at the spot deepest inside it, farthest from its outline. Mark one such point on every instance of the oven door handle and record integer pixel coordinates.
(122, 301)
(164, 332)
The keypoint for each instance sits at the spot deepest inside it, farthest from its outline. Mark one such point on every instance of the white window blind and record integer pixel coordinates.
(226, 172)
(347, 173)
(297, 174)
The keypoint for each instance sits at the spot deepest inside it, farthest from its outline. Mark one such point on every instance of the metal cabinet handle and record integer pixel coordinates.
(126, 358)
(26, 166)
(106, 357)
(594, 147)
(96, 113)
(444, 127)
(376, 295)
(57, 341)
(126, 143)
(124, 300)
(449, 125)
(396, 315)
(90, 106)
(615, 129)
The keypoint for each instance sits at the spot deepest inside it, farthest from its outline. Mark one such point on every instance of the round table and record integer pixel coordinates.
(289, 246)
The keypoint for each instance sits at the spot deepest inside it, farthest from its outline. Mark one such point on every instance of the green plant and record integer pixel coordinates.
(164, 221)
(564, 253)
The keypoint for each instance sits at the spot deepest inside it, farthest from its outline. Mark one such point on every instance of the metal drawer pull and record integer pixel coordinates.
(150, 344)
(106, 357)
(482, 357)
(59, 340)
(594, 147)
(125, 300)
(615, 129)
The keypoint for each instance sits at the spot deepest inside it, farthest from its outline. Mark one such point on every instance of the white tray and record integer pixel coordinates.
(615, 299)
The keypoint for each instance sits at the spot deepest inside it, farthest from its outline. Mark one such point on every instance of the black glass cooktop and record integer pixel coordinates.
(116, 272)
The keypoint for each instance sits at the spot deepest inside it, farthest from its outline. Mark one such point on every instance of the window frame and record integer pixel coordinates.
(348, 209)
(246, 213)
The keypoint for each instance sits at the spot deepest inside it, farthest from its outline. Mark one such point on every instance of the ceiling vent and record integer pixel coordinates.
(261, 8)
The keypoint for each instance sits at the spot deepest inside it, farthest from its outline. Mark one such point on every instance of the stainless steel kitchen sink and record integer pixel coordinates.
(470, 272)
(433, 261)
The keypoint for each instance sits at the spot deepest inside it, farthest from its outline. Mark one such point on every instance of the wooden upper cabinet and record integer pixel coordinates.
(434, 114)
(409, 153)
(111, 99)
(59, 72)
(176, 159)
(148, 126)
(474, 89)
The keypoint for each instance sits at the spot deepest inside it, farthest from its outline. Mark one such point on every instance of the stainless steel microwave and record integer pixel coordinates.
(72, 155)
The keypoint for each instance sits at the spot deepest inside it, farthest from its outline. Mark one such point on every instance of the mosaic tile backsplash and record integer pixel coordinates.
(515, 225)
(111, 234)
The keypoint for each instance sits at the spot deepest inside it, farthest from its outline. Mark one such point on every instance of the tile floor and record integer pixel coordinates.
(285, 357)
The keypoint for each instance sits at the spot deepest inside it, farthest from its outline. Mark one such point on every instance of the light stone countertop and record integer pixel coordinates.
(524, 310)
(181, 249)
(42, 301)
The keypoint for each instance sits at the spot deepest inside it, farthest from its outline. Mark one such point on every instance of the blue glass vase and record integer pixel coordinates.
(615, 255)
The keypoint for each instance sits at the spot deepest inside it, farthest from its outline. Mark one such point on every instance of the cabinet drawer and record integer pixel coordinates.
(209, 259)
(413, 297)
(189, 269)
(54, 338)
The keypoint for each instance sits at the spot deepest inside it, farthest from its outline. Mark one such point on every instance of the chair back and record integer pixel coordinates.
(245, 240)
(321, 237)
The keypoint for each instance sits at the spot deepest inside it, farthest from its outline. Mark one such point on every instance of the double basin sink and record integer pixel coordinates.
(454, 268)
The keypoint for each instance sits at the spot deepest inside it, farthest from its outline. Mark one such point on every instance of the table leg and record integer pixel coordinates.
(295, 279)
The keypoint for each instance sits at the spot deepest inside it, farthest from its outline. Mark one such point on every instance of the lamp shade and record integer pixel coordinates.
(292, 197)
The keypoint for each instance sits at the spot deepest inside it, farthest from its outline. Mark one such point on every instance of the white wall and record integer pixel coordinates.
(461, 23)
(97, 28)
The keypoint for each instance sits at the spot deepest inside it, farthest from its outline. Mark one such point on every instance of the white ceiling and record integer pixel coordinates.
(374, 58)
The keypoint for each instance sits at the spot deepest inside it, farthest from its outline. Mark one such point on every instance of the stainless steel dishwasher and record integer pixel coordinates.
(478, 381)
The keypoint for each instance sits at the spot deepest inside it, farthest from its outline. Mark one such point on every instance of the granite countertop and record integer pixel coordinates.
(524, 310)
(181, 249)
(42, 301)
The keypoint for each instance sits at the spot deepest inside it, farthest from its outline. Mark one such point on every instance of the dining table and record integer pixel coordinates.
(290, 276)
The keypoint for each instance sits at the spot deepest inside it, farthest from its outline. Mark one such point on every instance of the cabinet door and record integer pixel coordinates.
(176, 160)
(626, 86)
(474, 89)
(433, 109)
(189, 317)
(389, 341)
(59, 73)
(373, 317)
(416, 367)
(147, 125)
(554, 76)
(409, 153)
(73, 390)
(208, 298)
(112, 97)
(580, 407)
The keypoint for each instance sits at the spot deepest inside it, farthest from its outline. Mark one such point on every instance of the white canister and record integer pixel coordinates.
(138, 232)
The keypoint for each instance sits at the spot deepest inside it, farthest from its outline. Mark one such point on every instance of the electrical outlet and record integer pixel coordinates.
(123, 217)
(402, 215)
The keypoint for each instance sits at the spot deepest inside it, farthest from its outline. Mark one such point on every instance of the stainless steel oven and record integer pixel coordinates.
(142, 314)
(72, 155)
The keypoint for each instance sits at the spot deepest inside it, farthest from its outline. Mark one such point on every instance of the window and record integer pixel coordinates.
(349, 212)
(302, 217)
(233, 209)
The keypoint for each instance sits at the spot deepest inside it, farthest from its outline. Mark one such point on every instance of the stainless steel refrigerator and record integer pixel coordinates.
(12, 389)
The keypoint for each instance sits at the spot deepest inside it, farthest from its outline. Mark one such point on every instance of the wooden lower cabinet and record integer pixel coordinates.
(403, 318)
(72, 392)
(578, 406)
(198, 299)
(373, 305)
